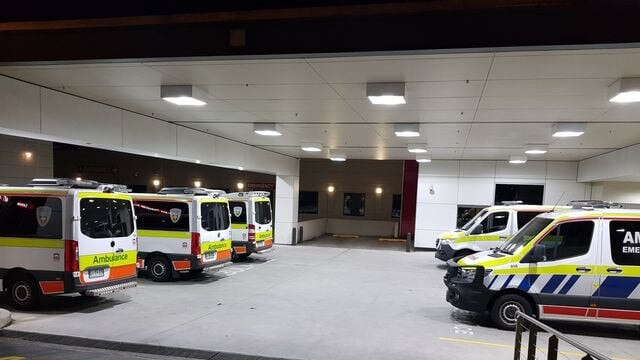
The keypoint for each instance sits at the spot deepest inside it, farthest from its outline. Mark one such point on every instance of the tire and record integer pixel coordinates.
(159, 269)
(503, 311)
(24, 293)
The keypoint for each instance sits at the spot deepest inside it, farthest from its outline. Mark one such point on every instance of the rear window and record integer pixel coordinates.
(215, 216)
(106, 218)
(30, 217)
(238, 212)
(525, 216)
(162, 215)
(263, 212)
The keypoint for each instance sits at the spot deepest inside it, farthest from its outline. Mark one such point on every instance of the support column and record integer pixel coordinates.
(286, 214)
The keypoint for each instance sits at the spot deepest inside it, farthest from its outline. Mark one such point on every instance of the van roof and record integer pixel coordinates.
(526, 207)
(593, 213)
(47, 190)
(247, 195)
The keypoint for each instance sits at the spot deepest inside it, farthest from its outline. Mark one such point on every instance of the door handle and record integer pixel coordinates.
(120, 250)
(614, 270)
(583, 269)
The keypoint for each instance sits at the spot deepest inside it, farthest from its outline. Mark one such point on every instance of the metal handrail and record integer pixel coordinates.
(553, 340)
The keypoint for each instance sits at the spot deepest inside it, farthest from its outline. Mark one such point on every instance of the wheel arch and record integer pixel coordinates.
(13, 274)
(524, 294)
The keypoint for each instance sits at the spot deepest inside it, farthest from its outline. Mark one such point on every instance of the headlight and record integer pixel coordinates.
(467, 274)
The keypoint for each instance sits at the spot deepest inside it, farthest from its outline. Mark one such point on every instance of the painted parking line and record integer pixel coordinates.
(507, 346)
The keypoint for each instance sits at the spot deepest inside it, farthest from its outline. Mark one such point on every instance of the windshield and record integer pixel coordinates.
(522, 237)
(470, 223)
(106, 218)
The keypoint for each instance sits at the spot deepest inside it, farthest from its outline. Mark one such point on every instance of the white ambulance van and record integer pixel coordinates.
(488, 229)
(251, 223)
(182, 230)
(581, 264)
(63, 236)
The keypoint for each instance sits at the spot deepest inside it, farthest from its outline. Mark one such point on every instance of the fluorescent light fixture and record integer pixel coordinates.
(337, 155)
(197, 183)
(183, 95)
(423, 158)
(378, 190)
(535, 149)
(625, 90)
(266, 129)
(417, 148)
(386, 93)
(407, 130)
(563, 130)
(331, 188)
(311, 147)
(517, 159)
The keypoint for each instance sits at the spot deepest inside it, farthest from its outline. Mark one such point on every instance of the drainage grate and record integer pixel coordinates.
(128, 347)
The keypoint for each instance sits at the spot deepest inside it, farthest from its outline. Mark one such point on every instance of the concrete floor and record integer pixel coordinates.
(362, 242)
(307, 302)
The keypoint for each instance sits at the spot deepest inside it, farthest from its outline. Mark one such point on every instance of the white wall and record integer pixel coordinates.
(621, 192)
(361, 227)
(15, 168)
(473, 183)
(313, 228)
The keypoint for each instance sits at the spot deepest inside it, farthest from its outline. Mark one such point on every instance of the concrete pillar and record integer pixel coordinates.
(286, 213)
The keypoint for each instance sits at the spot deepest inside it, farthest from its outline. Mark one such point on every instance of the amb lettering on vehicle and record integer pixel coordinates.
(111, 260)
(631, 239)
(216, 246)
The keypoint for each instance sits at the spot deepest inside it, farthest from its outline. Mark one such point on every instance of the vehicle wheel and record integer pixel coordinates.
(464, 252)
(24, 293)
(503, 312)
(159, 269)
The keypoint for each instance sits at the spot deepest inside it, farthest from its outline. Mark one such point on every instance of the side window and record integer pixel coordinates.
(30, 217)
(524, 217)
(494, 222)
(238, 211)
(625, 242)
(568, 240)
(162, 215)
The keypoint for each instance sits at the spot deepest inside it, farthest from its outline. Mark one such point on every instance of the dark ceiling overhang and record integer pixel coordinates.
(312, 27)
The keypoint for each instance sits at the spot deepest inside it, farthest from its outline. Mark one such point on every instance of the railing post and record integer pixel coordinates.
(518, 344)
(533, 340)
(552, 350)
(300, 235)
(409, 243)
(294, 238)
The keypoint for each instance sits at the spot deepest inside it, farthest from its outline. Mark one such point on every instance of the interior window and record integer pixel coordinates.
(215, 216)
(263, 212)
(159, 215)
(494, 222)
(625, 242)
(106, 218)
(525, 216)
(238, 212)
(568, 240)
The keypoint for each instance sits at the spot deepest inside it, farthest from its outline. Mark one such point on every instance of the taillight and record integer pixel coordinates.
(71, 256)
(195, 243)
(252, 233)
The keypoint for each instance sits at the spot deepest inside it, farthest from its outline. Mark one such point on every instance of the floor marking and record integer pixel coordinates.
(475, 342)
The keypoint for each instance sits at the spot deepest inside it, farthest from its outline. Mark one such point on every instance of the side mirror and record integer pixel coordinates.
(538, 254)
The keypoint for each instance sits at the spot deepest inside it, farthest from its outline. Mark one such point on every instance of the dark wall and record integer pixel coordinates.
(72, 161)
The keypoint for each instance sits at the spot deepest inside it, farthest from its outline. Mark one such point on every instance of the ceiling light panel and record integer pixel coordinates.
(517, 159)
(423, 158)
(417, 148)
(562, 130)
(536, 149)
(311, 147)
(386, 93)
(183, 95)
(407, 130)
(266, 129)
(337, 155)
(625, 90)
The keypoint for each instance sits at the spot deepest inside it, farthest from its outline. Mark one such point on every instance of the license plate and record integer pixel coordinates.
(96, 273)
(209, 255)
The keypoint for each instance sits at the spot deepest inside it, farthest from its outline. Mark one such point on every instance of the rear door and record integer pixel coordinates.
(239, 220)
(263, 221)
(618, 296)
(106, 235)
(215, 228)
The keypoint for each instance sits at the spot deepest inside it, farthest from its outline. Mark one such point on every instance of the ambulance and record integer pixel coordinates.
(488, 229)
(64, 236)
(581, 264)
(181, 231)
(251, 223)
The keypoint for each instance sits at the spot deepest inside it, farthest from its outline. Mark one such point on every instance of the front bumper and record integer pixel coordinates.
(445, 252)
(471, 296)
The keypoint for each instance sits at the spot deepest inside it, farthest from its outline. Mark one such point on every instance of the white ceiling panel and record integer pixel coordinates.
(292, 105)
(458, 104)
(621, 112)
(242, 73)
(511, 135)
(435, 135)
(538, 115)
(602, 136)
(549, 87)
(544, 102)
(400, 116)
(273, 92)
(433, 69)
(419, 89)
(309, 116)
(102, 93)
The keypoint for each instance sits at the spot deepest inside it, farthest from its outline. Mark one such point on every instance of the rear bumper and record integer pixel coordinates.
(266, 247)
(107, 287)
(249, 247)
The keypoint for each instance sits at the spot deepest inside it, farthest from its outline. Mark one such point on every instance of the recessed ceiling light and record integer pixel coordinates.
(386, 93)
(407, 130)
(197, 183)
(517, 159)
(197, 161)
(378, 190)
(625, 90)
(312, 147)
(266, 129)
(423, 158)
(417, 148)
(240, 186)
(337, 155)
(331, 188)
(156, 182)
(182, 95)
(536, 149)
(568, 129)
(240, 168)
